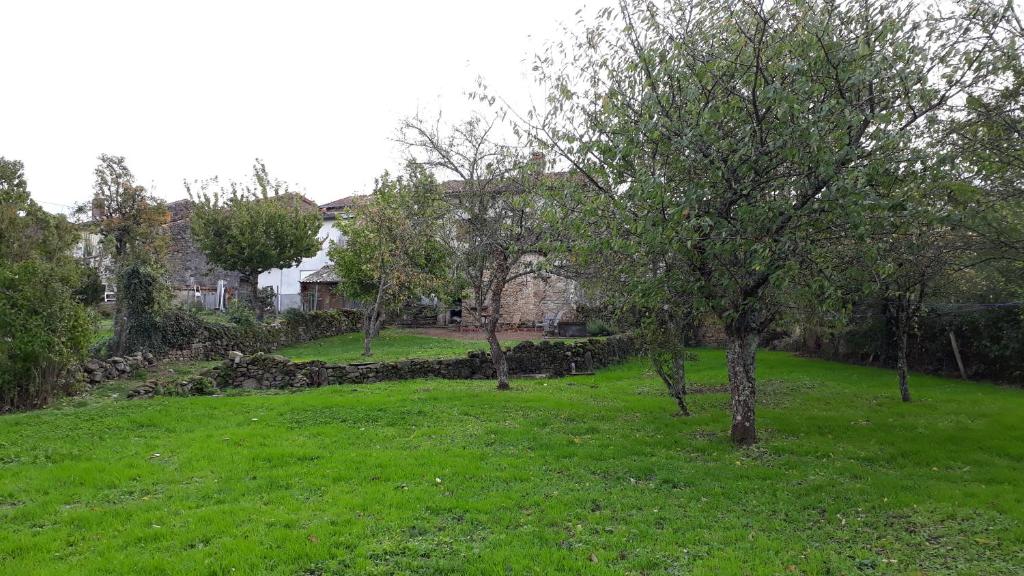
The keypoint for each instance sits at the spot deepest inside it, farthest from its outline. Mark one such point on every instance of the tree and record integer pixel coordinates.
(616, 253)
(392, 250)
(915, 246)
(128, 219)
(496, 210)
(756, 127)
(986, 141)
(253, 227)
(43, 328)
(90, 289)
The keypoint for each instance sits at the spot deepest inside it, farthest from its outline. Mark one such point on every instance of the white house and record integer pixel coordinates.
(285, 282)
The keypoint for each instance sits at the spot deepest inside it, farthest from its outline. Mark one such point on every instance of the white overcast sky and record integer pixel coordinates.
(192, 89)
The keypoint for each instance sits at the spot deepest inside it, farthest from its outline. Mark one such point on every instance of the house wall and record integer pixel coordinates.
(285, 282)
(528, 300)
(322, 296)
(187, 266)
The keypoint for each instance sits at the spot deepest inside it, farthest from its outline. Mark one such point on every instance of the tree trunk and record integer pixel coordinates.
(491, 325)
(373, 318)
(679, 390)
(902, 331)
(367, 336)
(672, 372)
(741, 349)
(497, 354)
(253, 283)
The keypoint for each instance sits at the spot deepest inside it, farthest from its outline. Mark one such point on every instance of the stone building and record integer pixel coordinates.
(319, 291)
(533, 301)
(190, 275)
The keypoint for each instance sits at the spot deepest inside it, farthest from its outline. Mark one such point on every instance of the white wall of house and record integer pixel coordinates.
(285, 282)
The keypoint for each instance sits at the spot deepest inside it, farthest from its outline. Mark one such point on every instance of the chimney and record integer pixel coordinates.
(98, 211)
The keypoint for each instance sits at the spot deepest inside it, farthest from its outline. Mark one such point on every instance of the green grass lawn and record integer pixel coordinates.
(583, 475)
(391, 344)
(104, 330)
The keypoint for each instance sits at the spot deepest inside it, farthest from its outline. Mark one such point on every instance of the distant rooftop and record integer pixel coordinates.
(344, 203)
(325, 275)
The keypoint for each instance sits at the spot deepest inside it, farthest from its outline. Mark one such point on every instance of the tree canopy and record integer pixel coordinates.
(742, 139)
(392, 250)
(254, 226)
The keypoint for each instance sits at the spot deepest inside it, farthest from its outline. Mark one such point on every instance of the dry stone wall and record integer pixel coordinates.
(261, 371)
(188, 337)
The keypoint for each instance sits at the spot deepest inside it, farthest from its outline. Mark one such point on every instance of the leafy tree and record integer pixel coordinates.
(128, 216)
(43, 328)
(253, 227)
(986, 141)
(756, 128)
(90, 288)
(915, 247)
(495, 209)
(129, 220)
(628, 270)
(392, 250)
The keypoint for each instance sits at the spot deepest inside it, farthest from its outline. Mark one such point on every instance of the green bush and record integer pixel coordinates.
(598, 327)
(180, 328)
(43, 331)
(293, 316)
(200, 386)
(90, 287)
(240, 314)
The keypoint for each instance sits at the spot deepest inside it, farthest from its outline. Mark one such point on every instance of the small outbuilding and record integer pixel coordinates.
(319, 291)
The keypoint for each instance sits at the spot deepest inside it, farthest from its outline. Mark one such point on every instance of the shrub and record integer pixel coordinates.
(90, 287)
(179, 328)
(294, 316)
(241, 315)
(598, 327)
(43, 327)
(43, 330)
(199, 386)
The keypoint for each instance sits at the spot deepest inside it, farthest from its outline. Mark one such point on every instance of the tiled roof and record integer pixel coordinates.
(325, 275)
(346, 202)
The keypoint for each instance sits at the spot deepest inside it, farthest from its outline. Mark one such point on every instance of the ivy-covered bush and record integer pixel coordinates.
(141, 294)
(180, 329)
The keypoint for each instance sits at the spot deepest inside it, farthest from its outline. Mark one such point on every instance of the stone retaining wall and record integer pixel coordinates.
(95, 370)
(189, 337)
(546, 357)
(263, 371)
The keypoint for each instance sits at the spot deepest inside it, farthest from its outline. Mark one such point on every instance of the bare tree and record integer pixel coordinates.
(495, 208)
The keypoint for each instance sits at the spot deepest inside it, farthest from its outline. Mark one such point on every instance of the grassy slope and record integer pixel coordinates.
(392, 344)
(581, 475)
